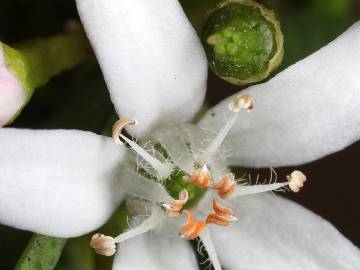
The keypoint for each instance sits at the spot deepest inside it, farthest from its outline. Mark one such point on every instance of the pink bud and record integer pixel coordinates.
(12, 93)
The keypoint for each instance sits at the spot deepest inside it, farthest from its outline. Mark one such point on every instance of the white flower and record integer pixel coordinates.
(67, 183)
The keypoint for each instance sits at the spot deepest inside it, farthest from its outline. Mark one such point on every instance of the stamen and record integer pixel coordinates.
(148, 224)
(163, 169)
(226, 186)
(173, 209)
(200, 177)
(223, 216)
(238, 103)
(192, 228)
(296, 180)
(103, 245)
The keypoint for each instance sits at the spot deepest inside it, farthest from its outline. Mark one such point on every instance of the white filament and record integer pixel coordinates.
(210, 248)
(148, 224)
(163, 169)
(247, 190)
(218, 140)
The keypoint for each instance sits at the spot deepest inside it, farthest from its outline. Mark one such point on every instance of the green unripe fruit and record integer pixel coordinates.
(243, 41)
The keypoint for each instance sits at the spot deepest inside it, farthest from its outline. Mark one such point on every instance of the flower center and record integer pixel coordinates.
(175, 184)
(173, 173)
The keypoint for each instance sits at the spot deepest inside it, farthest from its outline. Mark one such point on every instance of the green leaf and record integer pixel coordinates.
(42, 253)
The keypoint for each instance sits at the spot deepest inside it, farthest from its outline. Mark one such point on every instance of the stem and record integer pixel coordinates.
(42, 252)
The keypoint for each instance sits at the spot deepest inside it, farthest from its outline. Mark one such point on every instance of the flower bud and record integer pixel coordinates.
(243, 41)
(28, 65)
(12, 93)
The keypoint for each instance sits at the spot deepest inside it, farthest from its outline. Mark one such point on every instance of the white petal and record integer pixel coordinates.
(152, 60)
(275, 233)
(58, 182)
(12, 94)
(153, 251)
(307, 111)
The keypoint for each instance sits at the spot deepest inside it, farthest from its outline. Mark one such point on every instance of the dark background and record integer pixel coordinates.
(79, 99)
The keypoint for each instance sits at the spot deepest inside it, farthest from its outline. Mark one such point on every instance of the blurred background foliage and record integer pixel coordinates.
(79, 99)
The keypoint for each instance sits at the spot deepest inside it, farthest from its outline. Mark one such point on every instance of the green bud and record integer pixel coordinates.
(243, 41)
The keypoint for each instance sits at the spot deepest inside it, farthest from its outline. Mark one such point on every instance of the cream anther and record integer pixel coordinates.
(103, 245)
(118, 127)
(242, 102)
(296, 180)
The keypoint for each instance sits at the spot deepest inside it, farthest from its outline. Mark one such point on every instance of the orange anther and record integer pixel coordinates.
(173, 209)
(225, 186)
(192, 228)
(222, 211)
(201, 177)
(218, 220)
(223, 216)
